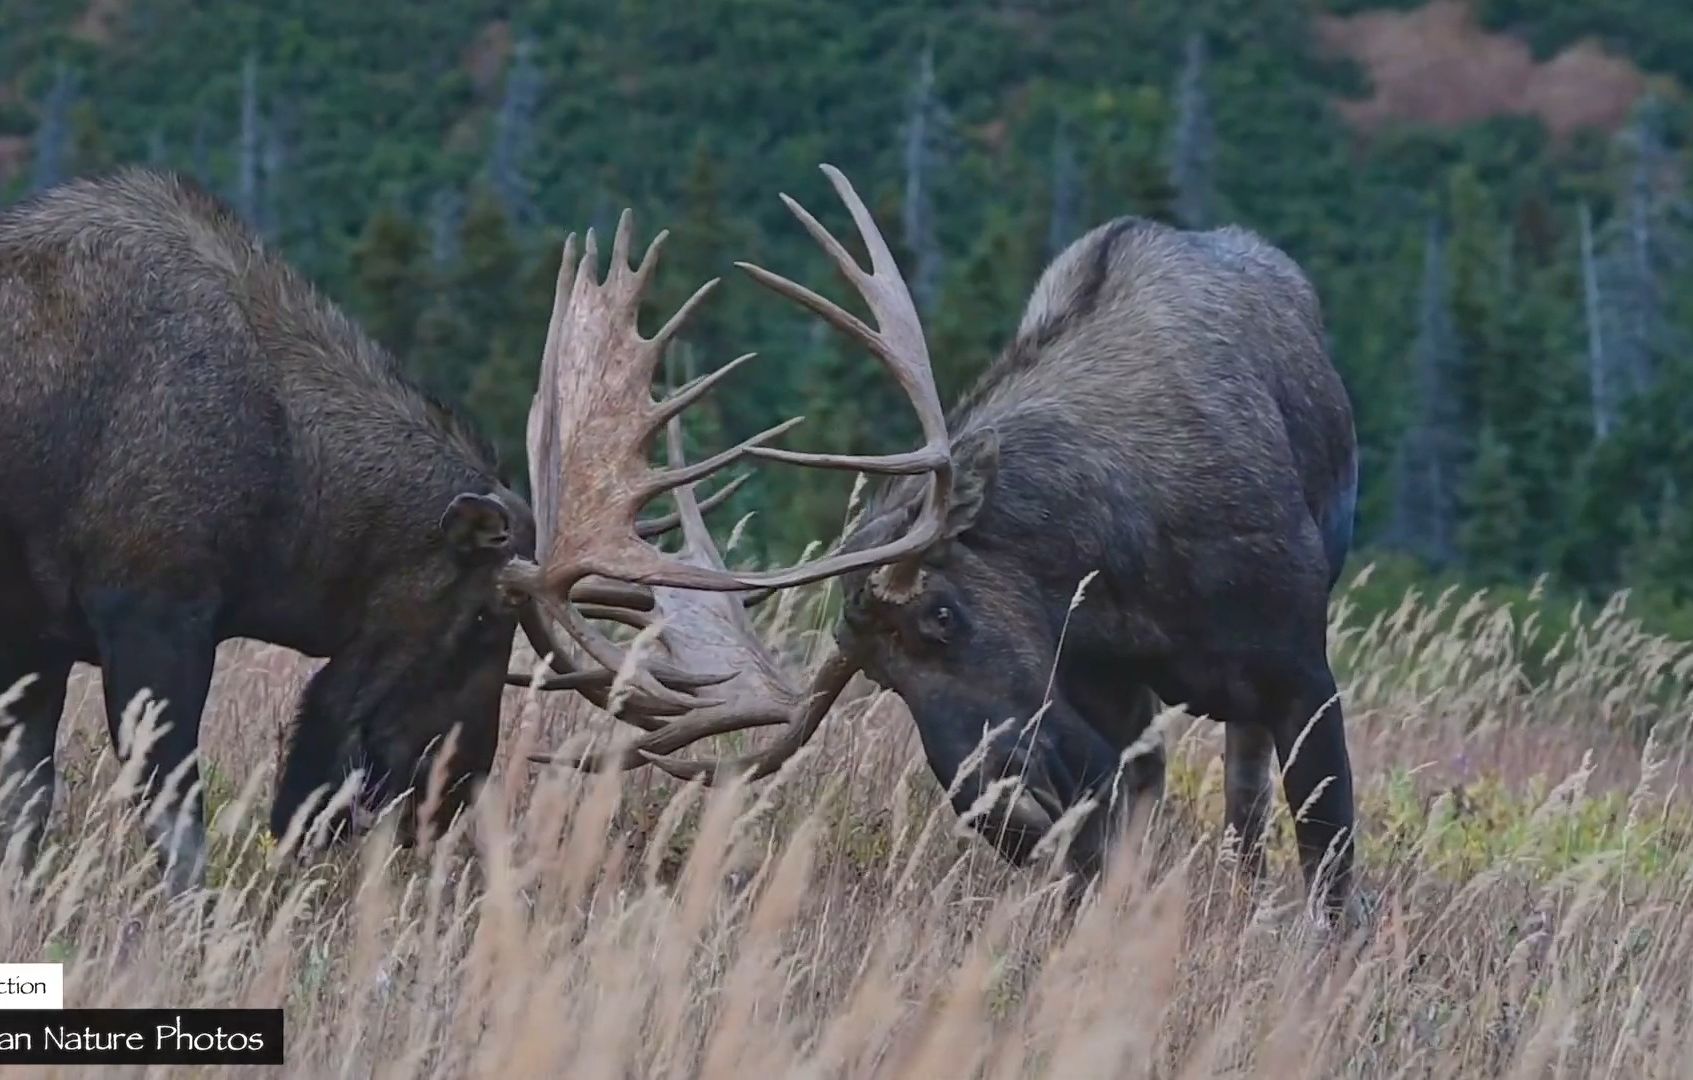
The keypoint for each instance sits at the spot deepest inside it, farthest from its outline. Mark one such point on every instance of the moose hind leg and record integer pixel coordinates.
(166, 648)
(1248, 753)
(29, 727)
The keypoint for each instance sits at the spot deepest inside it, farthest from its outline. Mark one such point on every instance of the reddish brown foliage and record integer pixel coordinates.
(1435, 66)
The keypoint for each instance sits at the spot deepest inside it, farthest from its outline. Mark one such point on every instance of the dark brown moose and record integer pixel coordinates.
(1165, 418)
(195, 446)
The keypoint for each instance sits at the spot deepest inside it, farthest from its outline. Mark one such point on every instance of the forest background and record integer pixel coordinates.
(1492, 198)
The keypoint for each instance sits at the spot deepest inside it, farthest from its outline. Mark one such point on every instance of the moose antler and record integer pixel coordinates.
(713, 630)
(704, 629)
(589, 425)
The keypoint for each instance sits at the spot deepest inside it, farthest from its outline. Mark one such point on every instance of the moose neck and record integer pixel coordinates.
(374, 464)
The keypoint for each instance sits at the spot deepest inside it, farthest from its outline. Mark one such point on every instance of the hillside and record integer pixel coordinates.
(1492, 198)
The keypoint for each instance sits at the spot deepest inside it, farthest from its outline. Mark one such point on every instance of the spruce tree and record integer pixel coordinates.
(390, 280)
(485, 278)
(1492, 536)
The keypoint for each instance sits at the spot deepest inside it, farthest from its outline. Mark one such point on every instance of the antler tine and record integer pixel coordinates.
(576, 680)
(649, 259)
(695, 389)
(640, 620)
(826, 686)
(674, 323)
(837, 252)
(897, 342)
(608, 593)
(652, 528)
(602, 414)
(666, 695)
(881, 258)
(835, 315)
(759, 695)
(620, 244)
(588, 269)
(592, 684)
(667, 479)
(566, 281)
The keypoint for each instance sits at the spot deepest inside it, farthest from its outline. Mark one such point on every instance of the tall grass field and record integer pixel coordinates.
(1526, 853)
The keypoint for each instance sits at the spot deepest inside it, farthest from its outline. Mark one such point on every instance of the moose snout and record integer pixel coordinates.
(1016, 789)
(1047, 793)
(1013, 798)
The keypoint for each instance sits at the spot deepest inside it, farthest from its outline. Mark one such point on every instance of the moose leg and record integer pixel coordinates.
(29, 727)
(316, 760)
(1317, 779)
(1128, 787)
(166, 648)
(1248, 750)
(1121, 711)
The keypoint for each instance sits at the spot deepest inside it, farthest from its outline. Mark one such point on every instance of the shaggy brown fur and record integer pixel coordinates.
(196, 445)
(1167, 416)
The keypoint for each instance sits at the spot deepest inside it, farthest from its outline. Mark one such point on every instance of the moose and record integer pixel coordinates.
(1165, 424)
(196, 446)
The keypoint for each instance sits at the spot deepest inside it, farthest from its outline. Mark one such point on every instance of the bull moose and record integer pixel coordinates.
(1165, 415)
(195, 446)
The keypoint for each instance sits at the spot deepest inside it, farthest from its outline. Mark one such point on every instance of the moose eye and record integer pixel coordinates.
(938, 624)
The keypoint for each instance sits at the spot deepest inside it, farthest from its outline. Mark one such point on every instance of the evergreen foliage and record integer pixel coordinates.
(1520, 367)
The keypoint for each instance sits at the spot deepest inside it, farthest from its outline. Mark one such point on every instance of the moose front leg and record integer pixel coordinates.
(165, 647)
(28, 729)
(1121, 709)
(1317, 778)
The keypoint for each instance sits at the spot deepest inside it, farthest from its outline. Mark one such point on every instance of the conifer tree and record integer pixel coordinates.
(390, 280)
(485, 276)
(1492, 536)
(1429, 458)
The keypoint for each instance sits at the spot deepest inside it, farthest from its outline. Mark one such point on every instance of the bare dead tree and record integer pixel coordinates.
(514, 133)
(52, 134)
(924, 128)
(1193, 140)
(1428, 459)
(250, 146)
(1064, 219)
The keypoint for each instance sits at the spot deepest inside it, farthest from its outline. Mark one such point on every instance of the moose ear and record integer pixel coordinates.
(477, 527)
(975, 463)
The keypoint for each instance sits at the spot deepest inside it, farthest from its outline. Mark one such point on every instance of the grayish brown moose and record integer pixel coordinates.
(1166, 415)
(195, 446)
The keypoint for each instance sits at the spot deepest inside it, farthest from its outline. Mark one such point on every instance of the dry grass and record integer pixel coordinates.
(1530, 876)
